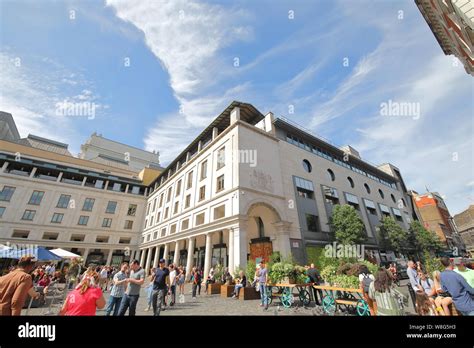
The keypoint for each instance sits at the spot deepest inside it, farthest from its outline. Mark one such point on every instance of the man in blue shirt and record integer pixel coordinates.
(461, 292)
(414, 284)
(160, 287)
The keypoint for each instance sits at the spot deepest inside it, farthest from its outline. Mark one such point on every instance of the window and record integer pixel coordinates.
(102, 239)
(36, 197)
(168, 197)
(123, 240)
(176, 207)
(50, 236)
(312, 223)
(202, 193)
(331, 175)
(99, 184)
(28, 215)
(203, 170)
(167, 210)
(7, 193)
(393, 198)
(128, 224)
(88, 204)
(132, 209)
(185, 224)
(158, 217)
(367, 188)
(107, 222)
(77, 237)
(384, 209)
(83, 220)
(220, 183)
(199, 219)
(57, 218)
(20, 234)
(111, 206)
(135, 190)
(304, 188)
(351, 182)
(148, 208)
(173, 228)
(219, 212)
(307, 166)
(178, 189)
(397, 214)
(187, 202)
(352, 200)
(370, 206)
(2, 210)
(381, 194)
(63, 201)
(163, 232)
(154, 205)
(117, 187)
(151, 220)
(220, 158)
(190, 180)
(161, 199)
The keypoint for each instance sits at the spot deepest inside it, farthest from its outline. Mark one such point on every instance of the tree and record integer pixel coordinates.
(423, 239)
(347, 225)
(396, 236)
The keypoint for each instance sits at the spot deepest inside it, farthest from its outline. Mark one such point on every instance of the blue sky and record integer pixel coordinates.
(332, 62)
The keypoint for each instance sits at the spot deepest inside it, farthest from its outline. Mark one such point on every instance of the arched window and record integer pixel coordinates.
(307, 166)
(381, 194)
(367, 188)
(351, 182)
(331, 175)
(261, 227)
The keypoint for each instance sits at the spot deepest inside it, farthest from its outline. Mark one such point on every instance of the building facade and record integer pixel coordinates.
(452, 23)
(251, 184)
(465, 224)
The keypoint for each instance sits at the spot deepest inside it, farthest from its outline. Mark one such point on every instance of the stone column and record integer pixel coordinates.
(230, 251)
(282, 241)
(148, 260)
(84, 256)
(109, 257)
(189, 261)
(208, 255)
(165, 254)
(157, 256)
(240, 245)
(33, 172)
(176, 253)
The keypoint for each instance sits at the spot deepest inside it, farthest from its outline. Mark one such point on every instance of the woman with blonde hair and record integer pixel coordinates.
(442, 299)
(85, 298)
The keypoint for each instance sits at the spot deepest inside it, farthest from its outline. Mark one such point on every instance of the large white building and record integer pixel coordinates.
(251, 184)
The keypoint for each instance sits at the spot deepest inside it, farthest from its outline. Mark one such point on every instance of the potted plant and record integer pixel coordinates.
(214, 287)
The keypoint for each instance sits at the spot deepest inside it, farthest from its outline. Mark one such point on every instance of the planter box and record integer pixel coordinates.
(227, 290)
(213, 288)
(249, 293)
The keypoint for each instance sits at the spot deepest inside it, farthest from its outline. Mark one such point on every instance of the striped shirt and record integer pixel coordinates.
(118, 290)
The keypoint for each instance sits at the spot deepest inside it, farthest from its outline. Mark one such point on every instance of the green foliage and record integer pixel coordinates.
(250, 270)
(395, 236)
(423, 239)
(314, 254)
(237, 271)
(431, 264)
(218, 272)
(287, 268)
(347, 225)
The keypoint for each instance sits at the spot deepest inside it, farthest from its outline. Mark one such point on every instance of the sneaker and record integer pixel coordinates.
(147, 309)
(261, 304)
(233, 296)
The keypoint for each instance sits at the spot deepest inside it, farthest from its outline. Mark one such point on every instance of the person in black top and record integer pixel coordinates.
(160, 287)
(315, 278)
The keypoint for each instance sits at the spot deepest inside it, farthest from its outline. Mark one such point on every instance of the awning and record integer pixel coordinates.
(40, 253)
(64, 254)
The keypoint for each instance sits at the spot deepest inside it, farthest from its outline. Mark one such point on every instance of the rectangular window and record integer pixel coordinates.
(168, 197)
(185, 225)
(28, 215)
(132, 209)
(63, 201)
(351, 199)
(83, 220)
(384, 209)
(220, 183)
(163, 232)
(199, 219)
(178, 189)
(219, 212)
(88, 204)
(151, 220)
(397, 214)
(167, 210)
(190, 180)
(188, 201)
(220, 158)
(123, 240)
(20, 234)
(176, 207)
(158, 217)
(370, 206)
(161, 199)
(148, 209)
(202, 193)
(107, 222)
(154, 205)
(312, 223)
(203, 170)
(36, 197)
(304, 188)
(57, 218)
(2, 210)
(50, 236)
(7, 193)
(173, 228)
(128, 224)
(116, 187)
(78, 237)
(99, 184)
(111, 206)
(102, 239)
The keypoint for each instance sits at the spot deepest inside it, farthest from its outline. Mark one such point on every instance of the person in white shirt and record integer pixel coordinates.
(173, 279)
(103, 278)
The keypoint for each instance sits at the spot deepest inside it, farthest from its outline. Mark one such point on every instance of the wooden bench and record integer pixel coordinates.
(249, 293)
(213, 288)
(227, 290)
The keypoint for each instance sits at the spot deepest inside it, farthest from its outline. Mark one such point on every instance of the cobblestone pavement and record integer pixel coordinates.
(214, 305)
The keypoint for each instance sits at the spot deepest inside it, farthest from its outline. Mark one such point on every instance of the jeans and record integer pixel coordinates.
(173, 294)
(264, 294)
(237, 289)
(195, 286)
(113, 303)
(315, 295)
(158, 298)
(128, 302)
(149, 292)
(469, 314)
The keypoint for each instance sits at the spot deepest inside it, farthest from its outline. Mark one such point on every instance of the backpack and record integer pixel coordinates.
(366, 283)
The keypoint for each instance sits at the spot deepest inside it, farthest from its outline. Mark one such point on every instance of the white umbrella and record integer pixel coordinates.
(4, 247)
(64, 253)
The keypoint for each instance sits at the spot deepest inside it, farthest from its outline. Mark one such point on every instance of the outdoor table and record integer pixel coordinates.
(335, 297)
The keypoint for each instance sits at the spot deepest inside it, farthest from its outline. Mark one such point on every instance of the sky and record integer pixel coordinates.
(157, 72)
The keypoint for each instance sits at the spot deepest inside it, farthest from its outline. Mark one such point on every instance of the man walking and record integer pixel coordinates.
(262, 280)
(414, 283)
(160, 287)
(118, 289)
(135, 281)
